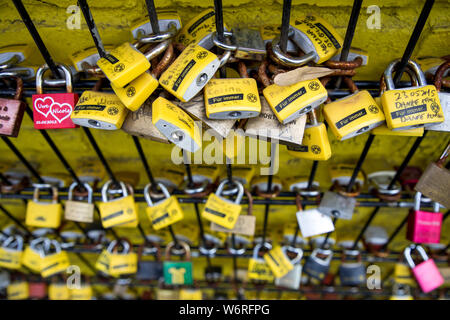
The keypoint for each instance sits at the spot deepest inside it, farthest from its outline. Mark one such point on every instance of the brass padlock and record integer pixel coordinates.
(245, 43)
(176, 125)
(353, 115)
(191, 71)
(164, 212)
(410, 107)
(99, 110)
(11, 111)
(315, 144)
(77, 210)
(199, 30)
(44, 214)
(123, 64)
(435, 181)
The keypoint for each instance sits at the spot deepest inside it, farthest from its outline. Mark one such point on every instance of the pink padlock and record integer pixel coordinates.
(424, 226)
(426, 273)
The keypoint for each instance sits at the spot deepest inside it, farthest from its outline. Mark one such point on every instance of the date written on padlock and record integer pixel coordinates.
(176, 125)
(190, 72)
(164, 212)
(221, 211)
(53, 110)
(410, 107)
(232, 99)
(291, 102)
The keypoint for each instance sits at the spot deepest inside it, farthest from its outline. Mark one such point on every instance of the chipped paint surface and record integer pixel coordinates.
(113, 18)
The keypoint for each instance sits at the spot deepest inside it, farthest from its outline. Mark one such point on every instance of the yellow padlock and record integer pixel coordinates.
(199, 30)
(31, 257)
(401, 292)
(164, 212)
(315, 37)
(232, 98)
(353, 115)
(11, 252)
(402, 275)
(53, 261)
(291, 102)
(14, 54)
(410, 107)
(103, 261)
(190, 294)
(190, 72)
(99, 110)
(58, 291)
(258, 269)
(44, 214)
(134, 94)
(18, 290)
(222, 211)
(84, 292)
(168, 21)
(123, 64)
(315, 144)
(176, 125)
(122, 262)
(118, 211)
(279, 262)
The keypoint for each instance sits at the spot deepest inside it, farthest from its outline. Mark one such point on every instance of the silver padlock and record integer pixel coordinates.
(316, 267)
(246, 43)
(335, 205)
(293, 278)
(380, 180)
(312, 222)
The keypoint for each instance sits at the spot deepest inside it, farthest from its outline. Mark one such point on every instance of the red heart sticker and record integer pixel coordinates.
(61, 111)
(44, 106)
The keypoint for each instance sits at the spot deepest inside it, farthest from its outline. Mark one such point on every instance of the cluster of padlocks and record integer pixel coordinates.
(237, 82)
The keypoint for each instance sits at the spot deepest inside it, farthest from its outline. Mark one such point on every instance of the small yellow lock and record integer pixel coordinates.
(122, 262)
(258, 269)
(58, 291)
(123, 64)
(410, 107)
(222, 211)
(353, 115)
(199, 30)
(315, 144)
(164, 212)
(84, 292)
(103, 261)
(99, 110)
(232, 98)
(190, 294)
(190, 72)
(291, 102)
(53, 261)
(176, 125)
(11, 252)
(118, 211)
(134, 94)
(18, 290)
(31, 257)
(44, 214)
(168, 21)
(402, 275)
(278, 261)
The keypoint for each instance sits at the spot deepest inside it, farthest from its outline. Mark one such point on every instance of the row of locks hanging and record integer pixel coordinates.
(263, 87)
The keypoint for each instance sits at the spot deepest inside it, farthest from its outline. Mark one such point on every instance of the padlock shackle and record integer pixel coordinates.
(258, 247)
(414, 66)
(126, 245)
(38, 187)
(286, 60)
(408, 70)
(19, 85)
(249, 196)
(440, 74)
(186, 248)
(12, 61)
(223, 59)
(13, 242)
(236, 251)
(298, 251)
(417, 202)
(321, 261)
(240, 193)
(68, 78)
(106, 187)
(85, 185)
(224, 46)
(157, 50)
(199, 187)
(157, 37)
(147, 190)
(407, 254)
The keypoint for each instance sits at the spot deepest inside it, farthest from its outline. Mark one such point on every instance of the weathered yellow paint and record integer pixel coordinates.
(113, 18)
